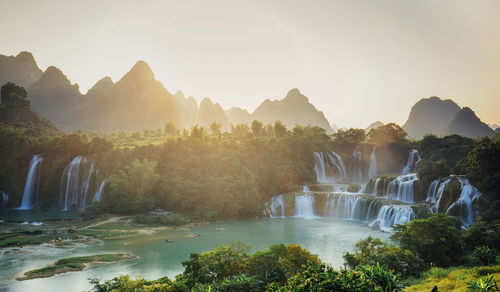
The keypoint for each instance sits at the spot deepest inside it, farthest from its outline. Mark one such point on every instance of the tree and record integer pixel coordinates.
(171, 129)
(279, 129)
(351, 136)
(14, 99)
(437, 239)
(215, 128)
(257, 128)
(387, 134)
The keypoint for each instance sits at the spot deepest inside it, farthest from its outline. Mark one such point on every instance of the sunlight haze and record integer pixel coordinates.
(357, 61)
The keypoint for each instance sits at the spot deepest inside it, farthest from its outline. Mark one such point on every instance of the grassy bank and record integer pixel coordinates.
(72, 264)
(453, 279)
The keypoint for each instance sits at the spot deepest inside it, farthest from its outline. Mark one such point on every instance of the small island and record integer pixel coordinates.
(73, 264)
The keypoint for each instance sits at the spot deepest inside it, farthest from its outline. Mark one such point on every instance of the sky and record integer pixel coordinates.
(358, 61)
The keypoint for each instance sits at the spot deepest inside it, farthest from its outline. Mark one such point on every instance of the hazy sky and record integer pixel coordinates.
(357, 61)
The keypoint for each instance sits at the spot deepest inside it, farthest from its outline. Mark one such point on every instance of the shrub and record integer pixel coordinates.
(484, 255)
(437, 239)
(382, 277)
(370, 251)
(489, 284)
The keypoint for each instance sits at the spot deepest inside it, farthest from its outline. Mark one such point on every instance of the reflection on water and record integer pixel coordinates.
(329, 238)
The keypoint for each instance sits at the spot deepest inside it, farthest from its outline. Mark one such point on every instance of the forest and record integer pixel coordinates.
(204, 174)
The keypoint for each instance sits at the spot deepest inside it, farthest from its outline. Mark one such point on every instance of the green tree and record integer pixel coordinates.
(257, 128)
(437, 239)
(387, 134)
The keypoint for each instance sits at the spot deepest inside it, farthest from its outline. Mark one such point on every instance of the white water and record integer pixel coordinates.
(276, 207)
(30, 194)
(75, 182)
(5, 198)
(356, 164)
(98, 194)
(305, 189)
(411, 164)
(464, 203)
(304, 206)
(402, 188)
(372, 170)
(347, 206)
(438, 195)
(390, 215)
(375, 187)
(431, 192)
(329, 167)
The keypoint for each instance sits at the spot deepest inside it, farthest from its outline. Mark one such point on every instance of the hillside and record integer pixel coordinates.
(430, 116)
(466, 123)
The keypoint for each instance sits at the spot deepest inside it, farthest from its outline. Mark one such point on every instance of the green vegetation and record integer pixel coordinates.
(72, 264)
(456, 279)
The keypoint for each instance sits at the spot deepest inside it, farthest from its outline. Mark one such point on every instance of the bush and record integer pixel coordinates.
(382, 277)
(325, 278)
(370, 251)
(483, 285)
(484, 255)
(437, 239)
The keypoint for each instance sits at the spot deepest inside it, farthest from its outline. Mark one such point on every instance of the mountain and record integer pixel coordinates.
(430, 116)
(188, 110)
(138, 101)
(293, 109)
(135, 102)
(374, 125)
(21, 69)
(54, 97)
(236, 116)
(466, 123)
(494, 126)
(212, 113)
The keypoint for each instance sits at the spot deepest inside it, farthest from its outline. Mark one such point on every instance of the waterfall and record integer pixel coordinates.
(411, 164)
(439, 194)
(469, 194)
(350, 207)
(30, 194)
(375, 187)
(305, 189)
(5, 199)
(75, 182)
(372, 170)
(431, 192)
(276, 207)
(304, 206)
(390, 215)
(98, 194)
(401, 188)
(329, 167)
(356, 164)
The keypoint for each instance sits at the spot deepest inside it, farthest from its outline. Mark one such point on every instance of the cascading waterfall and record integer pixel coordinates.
(5, 199)
(372, 170)
(304, 206)
(305, 189)
(276, 207)
(431, 192)
(411, 164)
(30, 194)
(401, 188)
(356, 164)
(75, 183)
(390, 215)
(349, 206)
(438, 195)
(465, 203)
(98, 194)
(375, 187)
(329, 167)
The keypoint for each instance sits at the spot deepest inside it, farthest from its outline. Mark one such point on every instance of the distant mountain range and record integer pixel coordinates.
(443, 117)
(138, 101)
